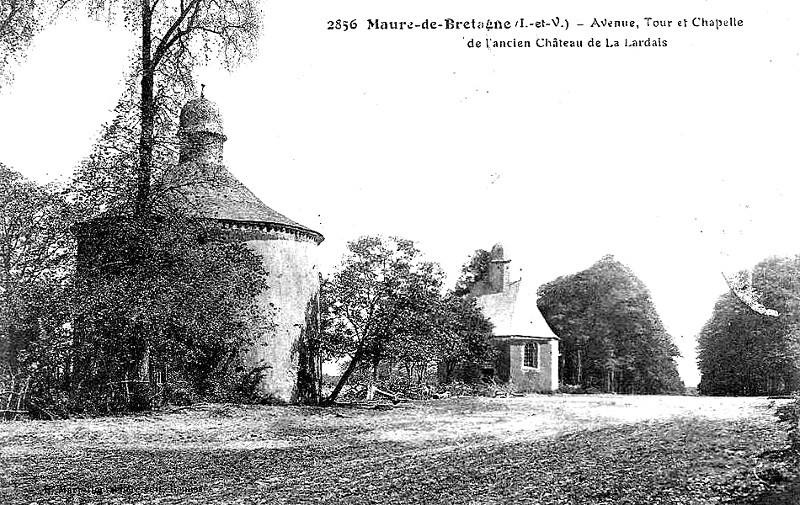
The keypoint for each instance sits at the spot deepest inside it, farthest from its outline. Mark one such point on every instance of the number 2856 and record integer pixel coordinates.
(342, 25)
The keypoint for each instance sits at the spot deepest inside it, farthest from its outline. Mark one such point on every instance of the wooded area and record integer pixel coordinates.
(612, 338)
(742, 351)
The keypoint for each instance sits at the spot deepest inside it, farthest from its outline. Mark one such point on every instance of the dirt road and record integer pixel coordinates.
(538, 449)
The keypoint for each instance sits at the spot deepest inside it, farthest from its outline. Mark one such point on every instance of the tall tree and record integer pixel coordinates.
(611, 335)
(385, 306)
(382, 293)
(169, 36)
(35, 254)
(106, 181)
(175, 35)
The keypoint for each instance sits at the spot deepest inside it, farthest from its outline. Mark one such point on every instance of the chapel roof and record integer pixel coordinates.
(514, 313)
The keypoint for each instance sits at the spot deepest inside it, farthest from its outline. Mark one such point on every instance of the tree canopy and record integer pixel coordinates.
(612, 338)
(35, 253)
(185, 306)
(742, 351)
(118, 178)
(473, 271)
(382, 294)
(384, 304)
(20, 20)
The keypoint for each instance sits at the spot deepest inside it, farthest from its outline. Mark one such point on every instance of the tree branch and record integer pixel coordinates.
(11, 13)
(174, 32)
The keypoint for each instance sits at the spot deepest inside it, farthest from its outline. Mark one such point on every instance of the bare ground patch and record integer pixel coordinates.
(537, 449)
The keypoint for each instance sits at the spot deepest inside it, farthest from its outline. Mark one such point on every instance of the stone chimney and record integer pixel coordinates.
(498, 270)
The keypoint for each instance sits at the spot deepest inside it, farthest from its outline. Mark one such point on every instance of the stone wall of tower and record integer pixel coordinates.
(293, 282)
(201, 148)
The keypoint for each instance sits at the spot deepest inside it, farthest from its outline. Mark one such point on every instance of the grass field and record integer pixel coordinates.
(534, 449)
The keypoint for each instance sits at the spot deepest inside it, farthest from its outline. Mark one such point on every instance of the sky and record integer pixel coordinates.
(678, 160)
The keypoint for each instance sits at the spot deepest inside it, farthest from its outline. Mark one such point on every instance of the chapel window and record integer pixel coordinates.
(531, 355)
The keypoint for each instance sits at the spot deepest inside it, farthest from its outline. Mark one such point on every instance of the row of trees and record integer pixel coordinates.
(743, 350)
(612, 338)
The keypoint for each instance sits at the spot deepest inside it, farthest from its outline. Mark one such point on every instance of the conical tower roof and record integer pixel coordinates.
(203, 187)
(211, 191)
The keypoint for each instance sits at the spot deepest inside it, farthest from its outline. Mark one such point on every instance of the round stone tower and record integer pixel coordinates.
(287, 249)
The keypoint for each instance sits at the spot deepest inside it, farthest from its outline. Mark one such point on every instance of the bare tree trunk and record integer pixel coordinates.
(318, 328)
(345, 376)
(139, 394)
(614, 380)
(373, 381)
(147, 109)
(139, 399)
(423, 367)
(449, 370)
(144, 365)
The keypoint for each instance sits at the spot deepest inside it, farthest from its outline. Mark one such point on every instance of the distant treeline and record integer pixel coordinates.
(742, 350)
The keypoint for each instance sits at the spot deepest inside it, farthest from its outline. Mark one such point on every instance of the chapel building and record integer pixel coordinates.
(527, 349)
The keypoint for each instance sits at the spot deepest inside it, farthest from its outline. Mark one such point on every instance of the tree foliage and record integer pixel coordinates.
(380, 300)
(744, 352)
(185, 300)
(384, 305)
(612, 338)
(181, 304)
(174, 37)
(105, 181)
(20, 20)
(35, 254)
(162, 290)
(473, 272)
(464, 340)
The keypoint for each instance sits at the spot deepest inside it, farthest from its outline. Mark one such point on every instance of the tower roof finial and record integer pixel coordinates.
(200, 115)
(202, 90)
